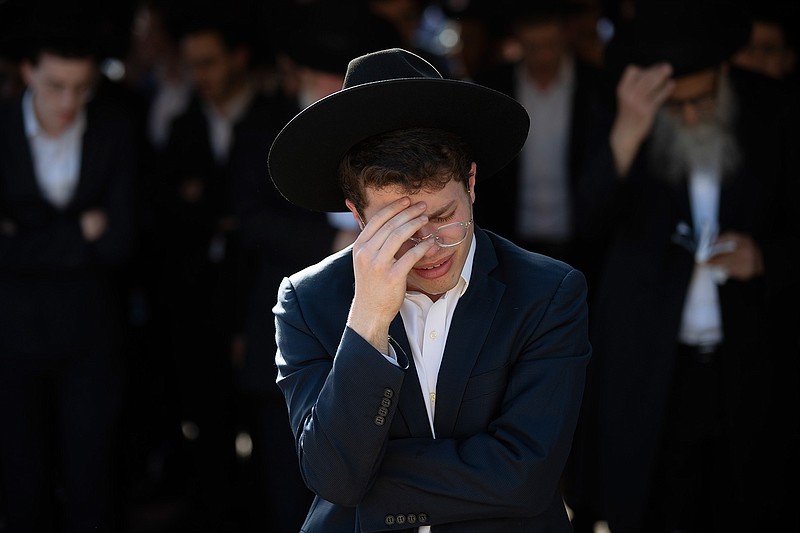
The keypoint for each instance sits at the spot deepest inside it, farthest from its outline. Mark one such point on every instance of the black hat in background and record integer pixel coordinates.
(332, 33)
(691, 35)
(385, 91)
(14, 22)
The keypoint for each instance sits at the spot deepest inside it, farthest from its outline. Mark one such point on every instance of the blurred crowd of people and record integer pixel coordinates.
(142, 244)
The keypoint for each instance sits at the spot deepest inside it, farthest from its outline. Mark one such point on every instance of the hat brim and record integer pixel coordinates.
(691, 36)
(304, 158)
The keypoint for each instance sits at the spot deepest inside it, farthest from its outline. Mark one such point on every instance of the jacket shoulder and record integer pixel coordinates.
(334, 271)
(522, 270)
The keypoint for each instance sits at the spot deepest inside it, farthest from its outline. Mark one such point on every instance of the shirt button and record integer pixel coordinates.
(434, 334)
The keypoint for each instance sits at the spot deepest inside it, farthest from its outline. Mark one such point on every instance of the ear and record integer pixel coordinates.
(471, 182)
(26, 71)
(789, 60)
(353, 209)
(241, 56)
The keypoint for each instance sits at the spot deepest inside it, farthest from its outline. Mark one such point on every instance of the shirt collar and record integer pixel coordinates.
(466, 272)
(564, 78)
(234, 109)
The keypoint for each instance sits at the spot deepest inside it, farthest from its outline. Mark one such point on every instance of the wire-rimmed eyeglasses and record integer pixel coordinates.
(448, 235)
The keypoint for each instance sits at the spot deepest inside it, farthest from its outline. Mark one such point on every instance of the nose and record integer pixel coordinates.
(71, 100)
(689, 114)
(425, 231)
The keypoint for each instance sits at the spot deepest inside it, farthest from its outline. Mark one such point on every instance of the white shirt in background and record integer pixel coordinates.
(56, 160)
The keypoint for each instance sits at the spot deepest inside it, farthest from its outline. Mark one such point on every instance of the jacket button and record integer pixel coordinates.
(388, 393)
(411, 519)
(379, 420)
(386, 402)
(389, 520)
(422, 517)
(383, 411)
(400, 519)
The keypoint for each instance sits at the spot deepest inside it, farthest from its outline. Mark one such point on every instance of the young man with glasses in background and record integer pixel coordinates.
(433, 370)
(68, 162)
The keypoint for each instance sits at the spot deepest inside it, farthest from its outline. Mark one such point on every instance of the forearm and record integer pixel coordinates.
(340, 439)
(625, 145)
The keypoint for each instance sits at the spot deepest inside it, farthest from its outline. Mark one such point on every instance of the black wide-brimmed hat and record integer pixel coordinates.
(383, 91)
(691, 35)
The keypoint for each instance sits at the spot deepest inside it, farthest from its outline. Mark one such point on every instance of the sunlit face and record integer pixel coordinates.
(214, 69)
(60, 88)
(440, 268)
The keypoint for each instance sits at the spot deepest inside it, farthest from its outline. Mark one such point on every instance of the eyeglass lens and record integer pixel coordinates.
(447, 235)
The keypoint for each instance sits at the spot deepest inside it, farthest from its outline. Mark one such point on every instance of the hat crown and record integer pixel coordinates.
(391, 64)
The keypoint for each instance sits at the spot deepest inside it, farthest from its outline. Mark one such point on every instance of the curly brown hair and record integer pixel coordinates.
(411, 159)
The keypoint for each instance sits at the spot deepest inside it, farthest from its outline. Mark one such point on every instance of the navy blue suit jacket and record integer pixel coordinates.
(508, 396)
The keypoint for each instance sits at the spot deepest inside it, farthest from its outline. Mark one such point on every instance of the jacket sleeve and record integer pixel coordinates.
(333, 402)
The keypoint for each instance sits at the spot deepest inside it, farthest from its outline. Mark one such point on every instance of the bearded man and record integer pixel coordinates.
(695, 186)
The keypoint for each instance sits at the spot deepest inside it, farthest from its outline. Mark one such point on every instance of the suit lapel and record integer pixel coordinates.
(92, 152)
(24, 173)
(470, 326)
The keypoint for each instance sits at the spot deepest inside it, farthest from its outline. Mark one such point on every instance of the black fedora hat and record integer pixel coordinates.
(691, 35)
(383, 91)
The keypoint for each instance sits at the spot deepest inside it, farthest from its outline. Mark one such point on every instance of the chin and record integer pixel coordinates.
(435, 288)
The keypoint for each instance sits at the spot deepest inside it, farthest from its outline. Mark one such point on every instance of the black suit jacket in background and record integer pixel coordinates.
(636, 312)
(496, 209)
(56, 290)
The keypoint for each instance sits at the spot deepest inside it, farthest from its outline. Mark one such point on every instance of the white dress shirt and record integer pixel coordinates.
(427, 325)
(701, 322)
(545, 209)
(221, 123)
(56, 160)
(169, 101)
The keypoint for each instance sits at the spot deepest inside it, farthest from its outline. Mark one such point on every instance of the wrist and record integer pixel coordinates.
(373, 331)
(624, 147)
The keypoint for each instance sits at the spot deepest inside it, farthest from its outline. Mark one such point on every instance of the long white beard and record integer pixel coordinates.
(710, 144)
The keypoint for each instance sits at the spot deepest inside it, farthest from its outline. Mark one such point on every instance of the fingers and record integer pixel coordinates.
(655, 82)
(646, 86)
(392, 226)
(640, 93)
(741, 257)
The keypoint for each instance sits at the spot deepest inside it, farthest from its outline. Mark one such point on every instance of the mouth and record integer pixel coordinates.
(434, 270)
